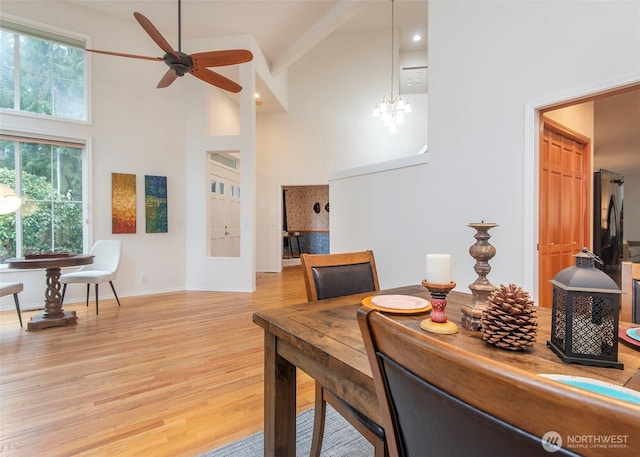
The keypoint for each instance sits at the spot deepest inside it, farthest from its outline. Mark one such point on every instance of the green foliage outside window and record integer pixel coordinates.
(42, 72)
(6, 69)
(50, 76)
(51, 192)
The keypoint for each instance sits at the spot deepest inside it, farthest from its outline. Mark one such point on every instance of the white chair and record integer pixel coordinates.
(104, 268)
(8, 288)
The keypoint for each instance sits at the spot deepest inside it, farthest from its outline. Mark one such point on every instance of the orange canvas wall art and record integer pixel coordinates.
(123, 203)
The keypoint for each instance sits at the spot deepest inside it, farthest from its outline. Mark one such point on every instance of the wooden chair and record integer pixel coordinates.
(13, 288)
(439, 400)
(335, 275)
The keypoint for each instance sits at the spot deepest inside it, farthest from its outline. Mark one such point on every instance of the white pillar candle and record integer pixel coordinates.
(439, 268)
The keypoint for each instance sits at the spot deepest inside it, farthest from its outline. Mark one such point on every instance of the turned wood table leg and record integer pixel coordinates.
(53, 315)
(52, 296)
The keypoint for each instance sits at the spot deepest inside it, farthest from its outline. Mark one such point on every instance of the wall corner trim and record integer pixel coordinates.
(403, 162)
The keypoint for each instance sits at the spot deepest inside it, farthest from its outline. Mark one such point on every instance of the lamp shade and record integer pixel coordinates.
(9, 201)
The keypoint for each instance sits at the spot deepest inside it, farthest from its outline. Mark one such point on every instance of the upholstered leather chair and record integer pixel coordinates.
(103, 269)
(13, 288)
(335, 275)
(436, 400)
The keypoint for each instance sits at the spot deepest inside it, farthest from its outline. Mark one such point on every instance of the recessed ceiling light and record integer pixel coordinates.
(417, 37)
(256, 95)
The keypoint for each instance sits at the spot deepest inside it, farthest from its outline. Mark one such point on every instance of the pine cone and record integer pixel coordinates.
(509, 320)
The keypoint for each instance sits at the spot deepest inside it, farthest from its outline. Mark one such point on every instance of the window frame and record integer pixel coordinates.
(86, 167)
(39, 127)
(44, 31)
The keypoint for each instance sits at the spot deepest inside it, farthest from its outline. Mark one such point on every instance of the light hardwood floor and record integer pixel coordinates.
(172, 374)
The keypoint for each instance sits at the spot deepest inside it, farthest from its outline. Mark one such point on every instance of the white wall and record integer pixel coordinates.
(489, 62)
(220, 273)
(328, 127)
(578, 118)
(383, 211)
(135, 128)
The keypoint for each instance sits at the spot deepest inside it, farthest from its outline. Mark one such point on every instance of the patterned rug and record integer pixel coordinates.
(340, 440)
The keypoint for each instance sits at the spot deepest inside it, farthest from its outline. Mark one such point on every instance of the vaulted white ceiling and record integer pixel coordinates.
(283, 29)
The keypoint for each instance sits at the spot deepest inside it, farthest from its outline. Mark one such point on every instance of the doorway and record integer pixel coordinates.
(615, 114)
(223, 206)
(305, 221)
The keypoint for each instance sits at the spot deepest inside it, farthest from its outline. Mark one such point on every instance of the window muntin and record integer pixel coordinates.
(49, 178)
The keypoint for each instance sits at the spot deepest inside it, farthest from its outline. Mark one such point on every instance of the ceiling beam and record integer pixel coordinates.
(338, 15)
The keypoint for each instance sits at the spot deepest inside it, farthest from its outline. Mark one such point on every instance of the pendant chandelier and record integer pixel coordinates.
(392, 108)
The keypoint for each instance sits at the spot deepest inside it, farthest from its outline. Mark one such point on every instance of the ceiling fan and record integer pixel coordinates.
(180, 63)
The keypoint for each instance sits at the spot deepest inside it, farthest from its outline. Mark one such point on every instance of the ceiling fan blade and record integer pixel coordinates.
(216, 79)
(120, 54)
(221, 58)
(154, 34)
(169, 77)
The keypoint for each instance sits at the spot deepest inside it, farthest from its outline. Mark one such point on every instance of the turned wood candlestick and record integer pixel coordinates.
(437, 322)
(482, 251)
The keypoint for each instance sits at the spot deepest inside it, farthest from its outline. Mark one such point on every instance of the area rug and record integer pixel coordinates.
(340, 440)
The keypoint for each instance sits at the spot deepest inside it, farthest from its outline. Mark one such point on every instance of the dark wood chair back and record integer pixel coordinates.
(329, 276)
(439, 400)
(336, 275)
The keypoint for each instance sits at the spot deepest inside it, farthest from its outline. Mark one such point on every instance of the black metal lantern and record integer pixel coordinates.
(585, 316)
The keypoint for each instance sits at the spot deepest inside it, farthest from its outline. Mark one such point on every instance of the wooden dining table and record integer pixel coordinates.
(53, 314)
(323, 339)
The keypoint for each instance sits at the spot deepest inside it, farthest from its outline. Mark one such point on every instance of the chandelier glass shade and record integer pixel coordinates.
(392, 108)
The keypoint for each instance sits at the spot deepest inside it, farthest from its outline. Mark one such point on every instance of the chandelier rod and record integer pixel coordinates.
(392, 50)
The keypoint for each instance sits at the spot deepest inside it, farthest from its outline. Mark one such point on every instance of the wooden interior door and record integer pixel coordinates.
(565, 202)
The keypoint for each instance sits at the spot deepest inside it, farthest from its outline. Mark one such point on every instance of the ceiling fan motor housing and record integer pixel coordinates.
(180, 63)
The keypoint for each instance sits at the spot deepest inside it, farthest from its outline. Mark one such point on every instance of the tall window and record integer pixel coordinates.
(44, 74)
(48, 176)
(41, 72)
